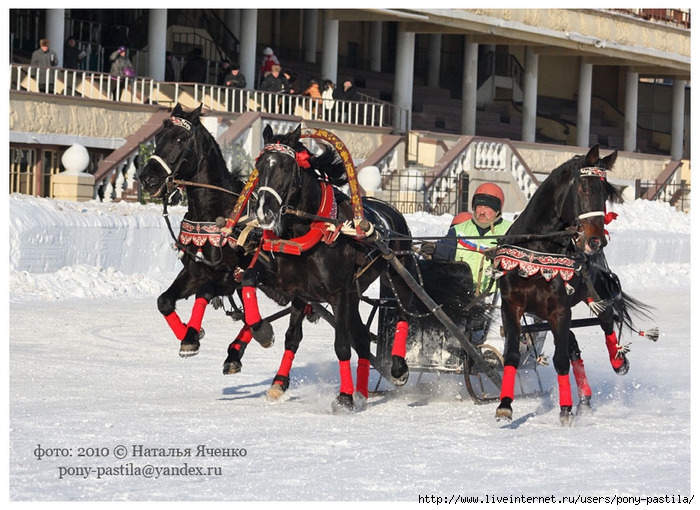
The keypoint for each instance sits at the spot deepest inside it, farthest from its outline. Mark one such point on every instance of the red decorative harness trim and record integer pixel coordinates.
(529, 263)
(319, 229)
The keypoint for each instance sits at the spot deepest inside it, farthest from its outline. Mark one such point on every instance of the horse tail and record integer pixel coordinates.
(625, 306)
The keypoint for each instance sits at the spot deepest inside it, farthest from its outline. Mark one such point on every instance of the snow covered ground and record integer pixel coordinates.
(102, 408)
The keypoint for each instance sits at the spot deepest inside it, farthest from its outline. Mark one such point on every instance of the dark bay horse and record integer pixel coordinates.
(554, 261)
(297, 202)
(187, 156)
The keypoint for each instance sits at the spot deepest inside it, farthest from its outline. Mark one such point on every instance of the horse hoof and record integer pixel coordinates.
(189, 347)
(232, 367)
(584, 405)
(624, 368)
(275, 392)
(399, 370)
(566, 417)
(264, 334)
(360, 401)
(504, 412)
(343, 404)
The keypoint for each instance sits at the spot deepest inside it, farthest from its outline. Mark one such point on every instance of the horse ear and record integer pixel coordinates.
(609, 161)
(593, 155)
(294, 136)
(267, 134)
(177, 111)
(196, 113)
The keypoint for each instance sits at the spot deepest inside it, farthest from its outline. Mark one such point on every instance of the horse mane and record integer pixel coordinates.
(232, 176)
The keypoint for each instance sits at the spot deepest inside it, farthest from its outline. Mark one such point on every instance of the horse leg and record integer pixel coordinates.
(232, 364)
(261, 329)
(560, 324)
(344, 401)
(183, 286)
(510, 316)
(616, 351)
(361, 342)
(292, 339)
(584, 390)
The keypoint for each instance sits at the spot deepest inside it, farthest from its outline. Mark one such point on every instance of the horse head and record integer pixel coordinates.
(177, 153)
(590, 190)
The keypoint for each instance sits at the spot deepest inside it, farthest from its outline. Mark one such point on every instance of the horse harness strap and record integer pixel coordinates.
(319, 231)
(530, 262)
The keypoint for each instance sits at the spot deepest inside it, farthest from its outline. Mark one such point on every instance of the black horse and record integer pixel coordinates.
(187, 157)
(554, 261)
(316, 260)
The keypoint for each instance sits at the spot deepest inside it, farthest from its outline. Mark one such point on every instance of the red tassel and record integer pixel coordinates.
(400, 336)
(363, 377)
(564, 391)
(346, 385)
(508, 383)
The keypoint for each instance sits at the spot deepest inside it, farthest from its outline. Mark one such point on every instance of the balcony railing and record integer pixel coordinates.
(102, 86)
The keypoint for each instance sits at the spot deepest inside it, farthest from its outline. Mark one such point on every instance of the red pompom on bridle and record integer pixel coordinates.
(303, 159)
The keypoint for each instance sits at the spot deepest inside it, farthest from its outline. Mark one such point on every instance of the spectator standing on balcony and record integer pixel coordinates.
(195, 70)
(347, 92)
(72, 56)
(44, 57)
(224, 70)
(328, 101)
(276, 83)
(169, 69)
(268, 62)
(235, 79)
(122, 70)
(314, 92)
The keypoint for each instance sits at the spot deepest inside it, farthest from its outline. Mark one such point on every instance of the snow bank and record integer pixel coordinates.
(64, 249)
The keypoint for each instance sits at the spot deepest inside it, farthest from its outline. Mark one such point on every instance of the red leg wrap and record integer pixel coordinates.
(363, 377)
(346, 385)
(250, 306)
(584, 390)
(508, 383)
(400, 336)
(286, 365)
(564, 390)
(245, 335)
(200, 304)
(176, 325)
(611, 344)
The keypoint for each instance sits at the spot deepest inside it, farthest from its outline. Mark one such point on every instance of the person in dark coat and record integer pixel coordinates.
(169, 69)
(195, 70)
(72, 56)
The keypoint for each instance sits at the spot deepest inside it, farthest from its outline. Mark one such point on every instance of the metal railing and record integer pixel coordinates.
(143, 90)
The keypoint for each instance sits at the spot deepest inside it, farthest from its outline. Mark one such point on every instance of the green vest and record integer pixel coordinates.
(471, 250)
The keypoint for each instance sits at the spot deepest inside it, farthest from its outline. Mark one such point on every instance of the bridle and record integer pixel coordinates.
(300, 161)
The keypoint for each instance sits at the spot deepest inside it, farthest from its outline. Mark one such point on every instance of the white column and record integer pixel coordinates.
(375, 46)
(310, 35)
(403, 80)
(249, 37)
(530, 95)
(55, 32)
(329, 51)
(678, 119)
(157, 28)
(583, 109)
(434, 52)
(233, 22)
(631, 108)
(469, 82)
